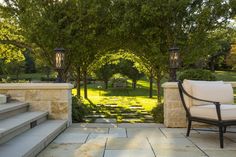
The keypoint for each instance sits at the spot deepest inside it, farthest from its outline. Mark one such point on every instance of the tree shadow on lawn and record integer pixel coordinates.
(113, 110)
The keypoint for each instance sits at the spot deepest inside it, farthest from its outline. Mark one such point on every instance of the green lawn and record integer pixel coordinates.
(121, 97)
(128, 96)
(225, 75)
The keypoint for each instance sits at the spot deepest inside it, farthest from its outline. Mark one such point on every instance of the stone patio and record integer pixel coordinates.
(137, 140)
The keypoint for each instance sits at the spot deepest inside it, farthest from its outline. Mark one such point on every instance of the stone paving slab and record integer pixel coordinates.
(138, 140)
(165, 151)
(144, 132)
(121, 132)
(221, 153)
(127, 143)
(183, 142)
(71, 138)
(210, 141)
(175, 132)
(94, 125)
(86, 130)
(128, 153)
(103, 136)
(93, 148)
(60, 150)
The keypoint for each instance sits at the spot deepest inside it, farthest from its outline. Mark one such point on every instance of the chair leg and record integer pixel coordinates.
(225, 129)
(189, 127)
(221, 137)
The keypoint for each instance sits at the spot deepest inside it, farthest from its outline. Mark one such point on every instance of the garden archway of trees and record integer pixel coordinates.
(125, 62)
(89, 29)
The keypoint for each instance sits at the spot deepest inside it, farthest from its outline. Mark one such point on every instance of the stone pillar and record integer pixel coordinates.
(174, 113)
(55, 98)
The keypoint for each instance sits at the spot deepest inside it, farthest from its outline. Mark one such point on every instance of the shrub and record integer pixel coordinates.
(197, 74)
(78, 110)
(158, 113)
(50, 79)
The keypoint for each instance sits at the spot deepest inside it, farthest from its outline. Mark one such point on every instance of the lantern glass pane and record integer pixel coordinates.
(59, 60)
(174, 59)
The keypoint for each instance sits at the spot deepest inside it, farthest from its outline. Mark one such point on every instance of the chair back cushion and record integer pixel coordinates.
(187, 84)
(222, 93)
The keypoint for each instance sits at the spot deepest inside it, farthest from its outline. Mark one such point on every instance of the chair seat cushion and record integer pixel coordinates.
(228, 111)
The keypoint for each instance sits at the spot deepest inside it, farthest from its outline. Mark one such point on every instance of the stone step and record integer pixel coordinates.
(12, 109)
(148, 117)
(3, 99)
(144, 112)
(111, 105)
(131, 120)
(95, 116)
(105, 120)
(18, 124)
(136, 107)
(30, 143)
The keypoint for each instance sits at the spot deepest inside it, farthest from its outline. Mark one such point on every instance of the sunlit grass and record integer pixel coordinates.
(123, 97)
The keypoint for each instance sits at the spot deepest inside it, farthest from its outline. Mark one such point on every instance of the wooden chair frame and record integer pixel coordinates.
(221, 124)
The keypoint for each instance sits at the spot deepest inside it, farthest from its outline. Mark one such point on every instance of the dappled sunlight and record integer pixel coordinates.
(147, 103)
(123, 105)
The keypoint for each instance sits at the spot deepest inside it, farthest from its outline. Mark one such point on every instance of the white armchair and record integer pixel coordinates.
(209, 102)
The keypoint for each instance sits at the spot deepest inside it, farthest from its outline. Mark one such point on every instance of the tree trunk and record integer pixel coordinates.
(17, 75)
(78, 82)
(134, 83)
(85, 84)
(150, 85)
(159, 90)
(212, 65)
(48, 73)
(106, 84)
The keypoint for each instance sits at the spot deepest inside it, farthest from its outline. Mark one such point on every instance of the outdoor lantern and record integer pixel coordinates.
(174, 62)
(59, 62)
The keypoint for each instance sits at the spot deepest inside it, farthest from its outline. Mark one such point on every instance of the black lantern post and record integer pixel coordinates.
(59, 63)
(174, 63)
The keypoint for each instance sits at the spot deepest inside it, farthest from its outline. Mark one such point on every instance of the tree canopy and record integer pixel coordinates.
(90, 29)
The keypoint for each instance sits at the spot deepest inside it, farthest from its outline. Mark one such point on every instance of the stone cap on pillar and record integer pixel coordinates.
(169, 85)
(46, 86)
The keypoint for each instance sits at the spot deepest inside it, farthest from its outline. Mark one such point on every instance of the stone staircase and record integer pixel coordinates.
(24, 133)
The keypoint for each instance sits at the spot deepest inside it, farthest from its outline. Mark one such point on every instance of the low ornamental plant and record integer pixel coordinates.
(197, 74)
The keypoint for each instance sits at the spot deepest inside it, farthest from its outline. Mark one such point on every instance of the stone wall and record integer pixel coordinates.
(174, 113)
(55, 98)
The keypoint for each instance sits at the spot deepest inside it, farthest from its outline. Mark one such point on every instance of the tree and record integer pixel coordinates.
(105, 73)
(10, 33)
(89, 28)
(76, 25)
(231, 59)
(149, 28)
(128, 68)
